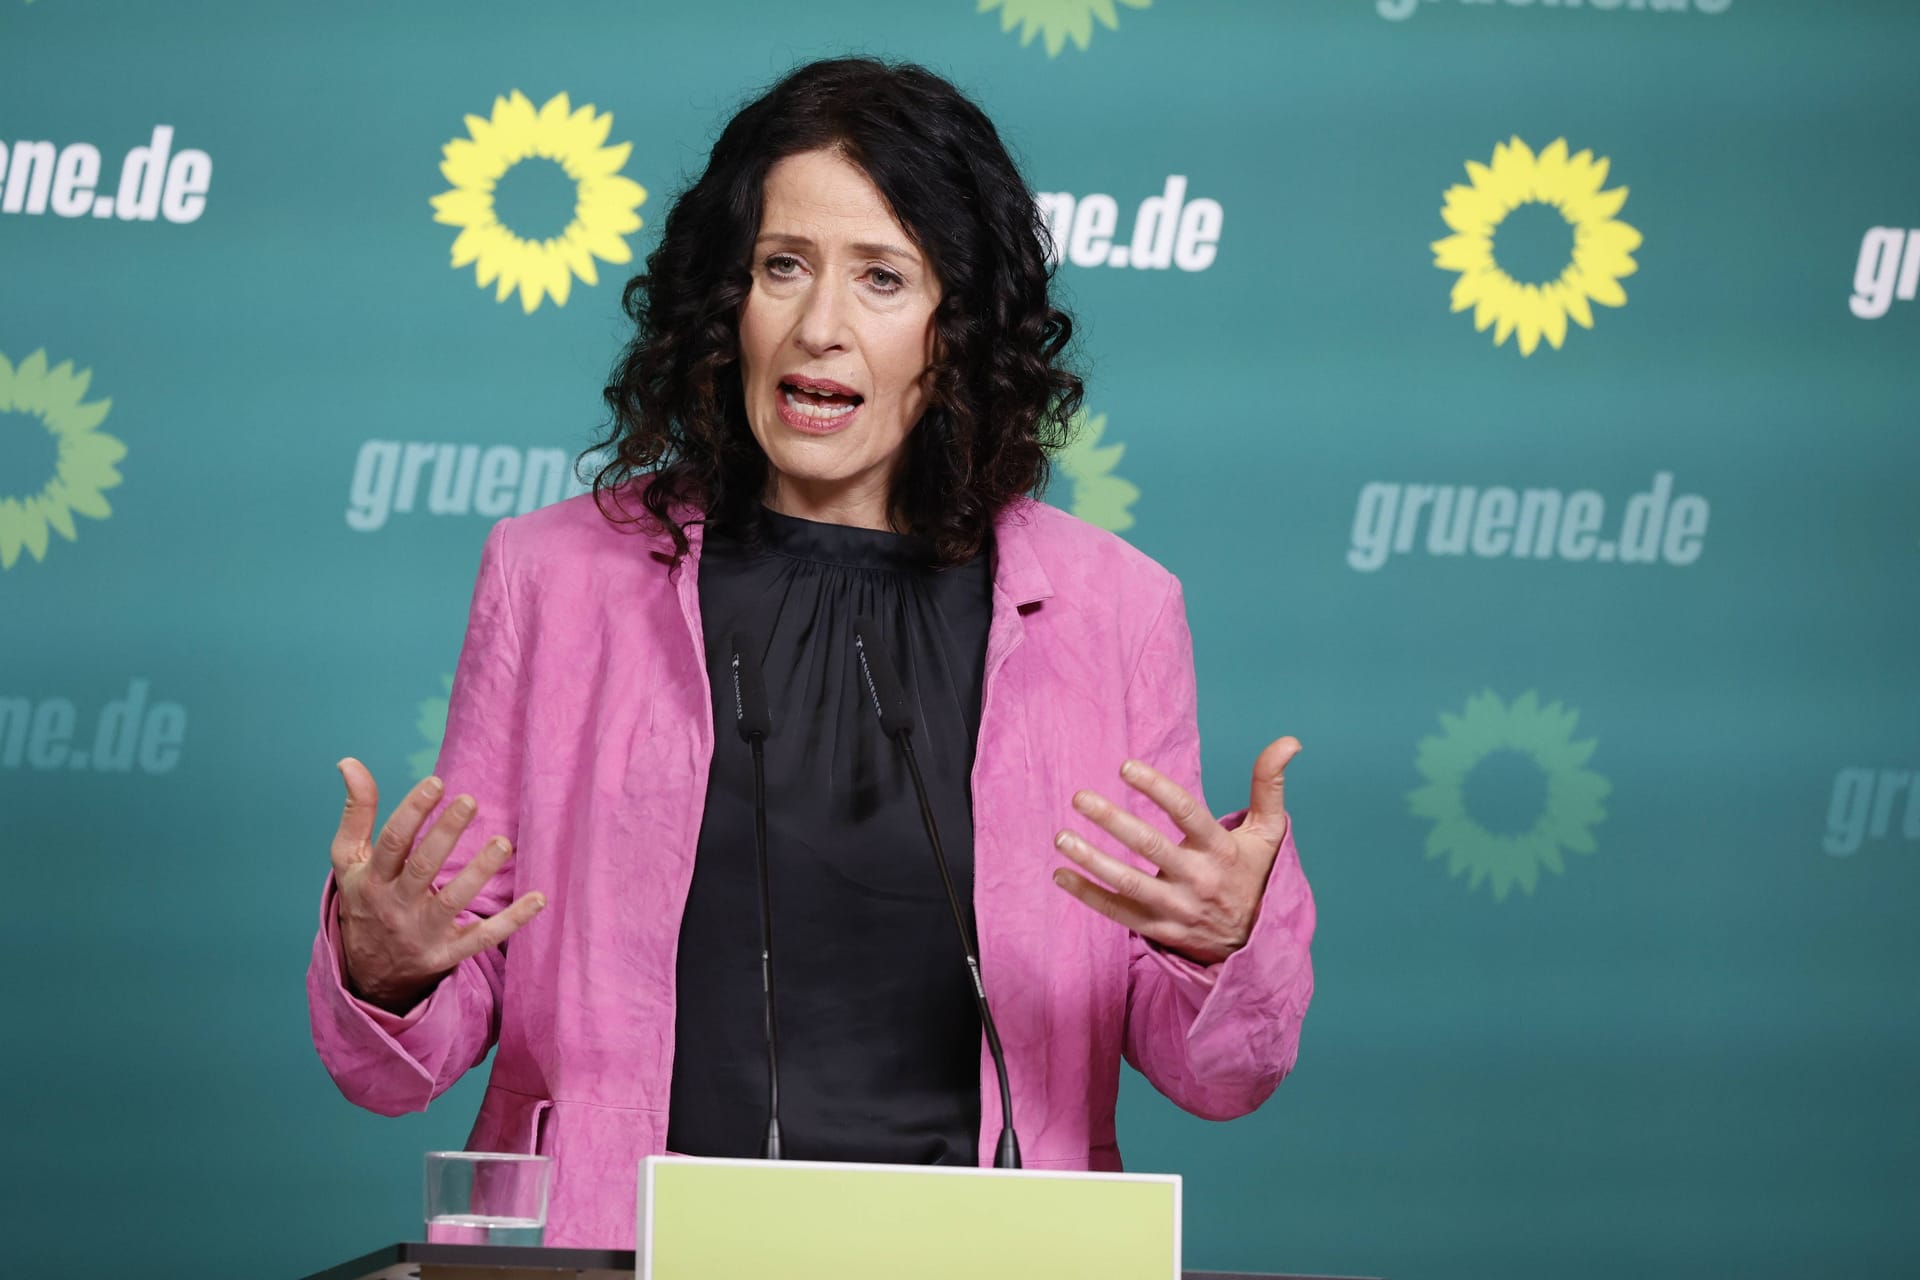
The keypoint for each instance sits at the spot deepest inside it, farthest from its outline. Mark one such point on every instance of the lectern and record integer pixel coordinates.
(701, 1219)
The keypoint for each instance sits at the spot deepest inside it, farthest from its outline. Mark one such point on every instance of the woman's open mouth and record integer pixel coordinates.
(809, 404)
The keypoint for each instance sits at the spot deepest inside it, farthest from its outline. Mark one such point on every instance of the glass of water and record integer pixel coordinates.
(486, 1197)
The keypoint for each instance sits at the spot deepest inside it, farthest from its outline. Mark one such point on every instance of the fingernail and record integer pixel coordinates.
(465, 805)
(1129, 769)
(434, 786)
(1062, 840)
(1083, 801)
(539, 902)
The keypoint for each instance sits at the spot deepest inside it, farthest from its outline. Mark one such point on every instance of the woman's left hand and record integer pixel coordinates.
(1203, 901)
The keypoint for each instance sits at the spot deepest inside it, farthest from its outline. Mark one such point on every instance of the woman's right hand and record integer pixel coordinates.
(398, 936)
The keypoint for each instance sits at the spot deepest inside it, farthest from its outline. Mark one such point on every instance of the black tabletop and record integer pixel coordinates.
(404, 1261)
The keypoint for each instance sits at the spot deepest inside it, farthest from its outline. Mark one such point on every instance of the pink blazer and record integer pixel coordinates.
(580, 720)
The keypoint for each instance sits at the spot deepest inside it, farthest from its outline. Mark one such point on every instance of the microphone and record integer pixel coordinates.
(754, 718)
(896, 721)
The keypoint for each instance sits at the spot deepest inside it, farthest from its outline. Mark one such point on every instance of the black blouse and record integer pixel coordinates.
(879, 1039)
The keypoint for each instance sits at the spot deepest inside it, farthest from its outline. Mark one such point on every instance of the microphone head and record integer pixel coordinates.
(752, 715)
(883, 683)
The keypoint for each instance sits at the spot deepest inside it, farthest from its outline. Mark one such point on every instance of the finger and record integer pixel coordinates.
(466, 886)
(1143, 838)
(1158, 898)
(495, 929)
(1188, 814)
(1267, 805)
(396, 838)
(1118, 909)
(357, 818)
(423, 864)
(1106, 902)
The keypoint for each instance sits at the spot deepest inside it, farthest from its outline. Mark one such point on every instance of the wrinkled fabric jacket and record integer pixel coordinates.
(581, 722)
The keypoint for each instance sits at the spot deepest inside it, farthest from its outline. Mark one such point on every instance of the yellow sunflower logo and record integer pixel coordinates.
(1099, 496)
(1592, 255)
(54, 460)
(1508, 791)
(1058, 21)
(513, 141)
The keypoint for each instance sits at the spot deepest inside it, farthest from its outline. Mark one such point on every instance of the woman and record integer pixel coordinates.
(845, 378)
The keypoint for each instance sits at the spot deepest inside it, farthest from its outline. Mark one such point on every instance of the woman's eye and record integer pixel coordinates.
(781, 264)
(885, 280)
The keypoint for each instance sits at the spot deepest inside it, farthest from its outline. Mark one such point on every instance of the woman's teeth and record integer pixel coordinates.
(819, 406)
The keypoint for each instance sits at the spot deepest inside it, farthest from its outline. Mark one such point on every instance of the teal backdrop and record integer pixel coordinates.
(1525, 392)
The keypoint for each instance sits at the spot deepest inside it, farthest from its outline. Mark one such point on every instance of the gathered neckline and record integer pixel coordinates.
(821, 542)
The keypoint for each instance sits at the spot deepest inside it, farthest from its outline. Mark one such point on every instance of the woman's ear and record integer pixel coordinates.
(938, 354)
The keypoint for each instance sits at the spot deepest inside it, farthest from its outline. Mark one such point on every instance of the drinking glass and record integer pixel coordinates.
(486, 1197)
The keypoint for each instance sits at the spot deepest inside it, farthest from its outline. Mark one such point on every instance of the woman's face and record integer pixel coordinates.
(835, 338)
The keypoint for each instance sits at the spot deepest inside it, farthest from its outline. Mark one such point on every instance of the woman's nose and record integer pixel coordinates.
(823, 320)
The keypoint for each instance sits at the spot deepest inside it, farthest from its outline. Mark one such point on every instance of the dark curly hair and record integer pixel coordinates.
(1000, 396)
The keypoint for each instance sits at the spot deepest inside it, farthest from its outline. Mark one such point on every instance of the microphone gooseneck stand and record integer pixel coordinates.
(896, 721)
(755, 721)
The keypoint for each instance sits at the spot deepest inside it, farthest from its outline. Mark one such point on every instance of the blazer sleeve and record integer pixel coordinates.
(1216, 1039)
(399, 1063)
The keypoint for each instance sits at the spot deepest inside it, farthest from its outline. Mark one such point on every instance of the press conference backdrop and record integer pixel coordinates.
(1525, 393)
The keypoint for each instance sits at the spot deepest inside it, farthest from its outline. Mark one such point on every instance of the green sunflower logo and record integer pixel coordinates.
(55, 462)
(430, 721)
(1099, 496)
(1508, 791)
(1058, 21)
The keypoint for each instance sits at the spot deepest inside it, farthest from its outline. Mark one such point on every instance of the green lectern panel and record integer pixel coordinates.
(753, 1219)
